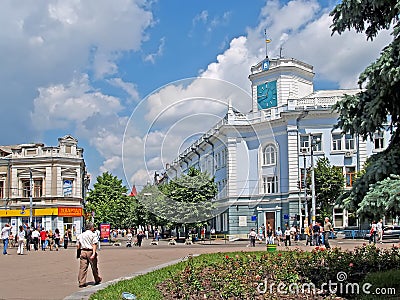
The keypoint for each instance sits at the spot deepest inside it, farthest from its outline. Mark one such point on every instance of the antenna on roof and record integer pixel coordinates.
(280, 51)
(267, 40)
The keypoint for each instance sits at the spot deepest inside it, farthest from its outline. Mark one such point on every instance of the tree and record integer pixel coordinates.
(382, 199)
(189, 199)
(109, 203)
(377, 106)
(329, 185)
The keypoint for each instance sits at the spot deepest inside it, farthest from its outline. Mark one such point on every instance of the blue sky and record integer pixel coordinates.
(114, 74)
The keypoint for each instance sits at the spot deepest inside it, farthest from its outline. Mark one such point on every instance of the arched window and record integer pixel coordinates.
(269, 157)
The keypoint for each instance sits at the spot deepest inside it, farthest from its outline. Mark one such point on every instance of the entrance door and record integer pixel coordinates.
(270, 220)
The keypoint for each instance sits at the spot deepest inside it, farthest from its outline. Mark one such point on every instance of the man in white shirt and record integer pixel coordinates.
(379, 228)
(5, 232)
(87, 243)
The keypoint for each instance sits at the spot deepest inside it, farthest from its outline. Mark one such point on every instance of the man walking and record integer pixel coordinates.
(5, 232)
(87, 242)
(379, 228)
(327, 231)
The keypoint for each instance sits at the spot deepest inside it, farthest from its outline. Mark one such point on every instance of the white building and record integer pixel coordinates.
(258, 158)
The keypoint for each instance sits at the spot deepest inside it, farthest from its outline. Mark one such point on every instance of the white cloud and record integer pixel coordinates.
(153, 56)
(128, 87)
(60, 106)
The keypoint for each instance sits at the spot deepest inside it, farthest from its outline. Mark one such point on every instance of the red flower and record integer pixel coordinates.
(351, 265)
(226, 256)
(279, 254)
(317, 248)
(364, 244)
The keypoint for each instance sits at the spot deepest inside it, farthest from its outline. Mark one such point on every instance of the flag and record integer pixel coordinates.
(133, 192)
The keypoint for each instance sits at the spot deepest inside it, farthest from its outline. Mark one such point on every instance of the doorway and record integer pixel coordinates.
(270, 220)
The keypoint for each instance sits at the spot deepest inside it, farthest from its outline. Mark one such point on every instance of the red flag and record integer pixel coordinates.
(133, 192)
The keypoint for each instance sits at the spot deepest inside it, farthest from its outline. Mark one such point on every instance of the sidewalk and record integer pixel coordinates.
(53, 275)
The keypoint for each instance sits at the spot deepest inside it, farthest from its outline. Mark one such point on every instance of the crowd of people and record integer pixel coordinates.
(27, 238)
(316, 235)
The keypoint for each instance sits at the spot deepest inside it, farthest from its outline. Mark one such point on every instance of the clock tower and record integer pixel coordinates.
(277, 80)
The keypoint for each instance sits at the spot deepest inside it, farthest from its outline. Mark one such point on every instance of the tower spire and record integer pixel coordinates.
(267, 40)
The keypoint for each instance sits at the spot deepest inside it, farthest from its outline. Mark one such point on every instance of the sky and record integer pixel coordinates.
(137, 81)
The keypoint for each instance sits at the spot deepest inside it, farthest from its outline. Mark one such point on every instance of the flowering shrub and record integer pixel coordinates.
(240, 275)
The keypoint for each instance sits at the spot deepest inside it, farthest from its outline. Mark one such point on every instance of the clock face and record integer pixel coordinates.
(266, 95)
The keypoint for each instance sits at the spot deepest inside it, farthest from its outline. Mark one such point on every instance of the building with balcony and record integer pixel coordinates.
(259, 158)
(43, 186)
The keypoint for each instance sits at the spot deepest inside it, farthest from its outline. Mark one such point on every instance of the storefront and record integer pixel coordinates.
(61, 217)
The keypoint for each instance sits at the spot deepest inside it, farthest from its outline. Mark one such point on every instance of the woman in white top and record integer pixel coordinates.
(21, 240)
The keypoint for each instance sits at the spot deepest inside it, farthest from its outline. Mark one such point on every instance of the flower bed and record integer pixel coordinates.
(296, 274)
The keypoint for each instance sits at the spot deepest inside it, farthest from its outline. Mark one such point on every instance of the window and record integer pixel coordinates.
(1, 189)
(304, 143)
(336, 142)
(67, 187)
(350, 176)
(349, 141)
(378, 140)
(37, 188)
(269, 157)
(270, 184)
(68, 149)
(317, 142)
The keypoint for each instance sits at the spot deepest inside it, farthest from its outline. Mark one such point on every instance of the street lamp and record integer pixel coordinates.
(30, 196)
(305, 188)
(314, 142)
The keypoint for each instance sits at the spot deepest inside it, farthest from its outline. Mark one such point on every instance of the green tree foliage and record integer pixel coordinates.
(189, 199)
(329, 185)
(377, 106)
(382, 199)
(109, 202)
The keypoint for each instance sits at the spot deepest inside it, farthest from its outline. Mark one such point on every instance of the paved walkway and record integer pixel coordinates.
(53, 275)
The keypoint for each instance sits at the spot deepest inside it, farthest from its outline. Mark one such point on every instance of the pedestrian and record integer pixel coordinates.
(372, 233)
(328, 229)
(87, 243)
(288, 234)
(308, 233)
(57, 238)
(5, 233)
(379, 228)
(28, 238)
(66, 239)
(278, 235)
(139, 238)
(43, 236)
(98, 238)
(21, 240)
(270, 235)
(316, 234)
(35, 238)
(252, 237)
(260, 234)
(129, 237)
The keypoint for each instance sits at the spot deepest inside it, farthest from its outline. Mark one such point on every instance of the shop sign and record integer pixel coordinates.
(70, 211)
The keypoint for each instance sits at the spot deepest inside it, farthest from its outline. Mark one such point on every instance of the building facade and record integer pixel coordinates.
(259, 158)
(43, 186)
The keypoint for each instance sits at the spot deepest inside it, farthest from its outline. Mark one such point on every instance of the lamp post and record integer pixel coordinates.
(30, 196)
(305, 189)
(313, 204)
